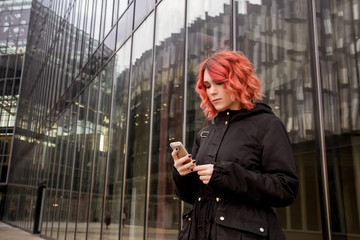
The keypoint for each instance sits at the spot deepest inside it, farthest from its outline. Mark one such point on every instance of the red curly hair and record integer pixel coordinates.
(235, 71)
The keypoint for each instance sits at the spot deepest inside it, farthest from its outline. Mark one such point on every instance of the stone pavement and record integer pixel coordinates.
(8, 232)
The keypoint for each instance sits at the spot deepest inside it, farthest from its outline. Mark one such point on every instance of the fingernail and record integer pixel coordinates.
(189, 155)
(194, 161)
(176, 149)
(191, 169)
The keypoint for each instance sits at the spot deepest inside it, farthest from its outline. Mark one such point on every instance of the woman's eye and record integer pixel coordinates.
(207, 86)
(219, 83)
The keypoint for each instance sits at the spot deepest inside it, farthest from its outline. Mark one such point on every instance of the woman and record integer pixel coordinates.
(244, 164)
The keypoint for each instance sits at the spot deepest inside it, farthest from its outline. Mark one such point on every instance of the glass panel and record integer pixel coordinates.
(122, 5)
(96, 21)
(59, 169)
(108, 15)
(51, 182)
(88, 156)
(69, 134)
(125, 26)
(3, 66)
(19, 65)
(168, 117)
(339, 59)
(117, 143)
(205, 37)
(101, 149)
(279, 53)
(142, 8)
(11, 66)
(138, 148)
(109, 45)
(80, 111)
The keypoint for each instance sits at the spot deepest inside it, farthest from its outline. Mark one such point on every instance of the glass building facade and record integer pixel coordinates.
(14, 21)
(104, 86)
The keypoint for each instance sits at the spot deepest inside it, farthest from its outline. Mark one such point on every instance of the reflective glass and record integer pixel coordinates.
(338, 25)
(48, 211)
(108, 13)
(109, 45)
(117, 143)
(167, 117)
(205, 36)
(278, 49)
(96, 21)
(11, 66)
(122, 5)
(3, 66)
(142, 8)
(80, 111)
(88, 156)
(69, 134)
(60, 158)
(101, 151)
(139, 121)
(125, 26)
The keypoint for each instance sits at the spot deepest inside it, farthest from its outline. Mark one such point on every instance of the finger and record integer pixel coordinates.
(174, 154)
(185, 163)
(203, 172)
(203, 167)
(205, 179)
(183, 170)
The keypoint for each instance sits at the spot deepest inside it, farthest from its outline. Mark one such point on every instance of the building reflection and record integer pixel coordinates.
(97, 111)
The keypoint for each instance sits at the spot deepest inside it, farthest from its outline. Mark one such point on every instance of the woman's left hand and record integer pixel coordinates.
(205, 172)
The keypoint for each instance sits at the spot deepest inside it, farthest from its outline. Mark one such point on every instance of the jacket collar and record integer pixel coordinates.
(231, 115)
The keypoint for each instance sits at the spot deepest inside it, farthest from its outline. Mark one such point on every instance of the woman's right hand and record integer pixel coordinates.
(183, 165)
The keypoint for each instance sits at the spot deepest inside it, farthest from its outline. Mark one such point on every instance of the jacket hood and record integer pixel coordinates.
(243, 113)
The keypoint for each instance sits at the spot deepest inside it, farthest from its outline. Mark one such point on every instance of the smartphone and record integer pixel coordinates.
(182, 151)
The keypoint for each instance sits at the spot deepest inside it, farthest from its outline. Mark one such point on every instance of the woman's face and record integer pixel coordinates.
(217, 95)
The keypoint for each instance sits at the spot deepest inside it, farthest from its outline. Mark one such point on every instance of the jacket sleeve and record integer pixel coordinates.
(277, 183)
(186, 186)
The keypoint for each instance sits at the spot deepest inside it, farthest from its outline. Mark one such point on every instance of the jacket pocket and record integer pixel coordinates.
(235, 226)
(185, 231)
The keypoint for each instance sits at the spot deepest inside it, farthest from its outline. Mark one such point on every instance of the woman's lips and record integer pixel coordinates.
(216, 100)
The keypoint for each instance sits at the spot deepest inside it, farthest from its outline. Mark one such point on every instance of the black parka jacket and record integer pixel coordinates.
(254, 170)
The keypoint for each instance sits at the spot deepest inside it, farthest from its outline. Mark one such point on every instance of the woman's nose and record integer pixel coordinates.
(213, 90)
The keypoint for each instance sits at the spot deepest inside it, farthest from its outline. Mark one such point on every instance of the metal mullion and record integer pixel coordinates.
(72, 170)
(148, 175)
(82, 160)
(110, 127)
(127, 132)
(94, 153)
(55, 74)
(64, 177)
(83, 45)
(92, 29)
(53, 151)
(318, 104)
(185, 99)
(62, 55)
(102, 22)
(57, 181)
(233, 23)
(108, 154)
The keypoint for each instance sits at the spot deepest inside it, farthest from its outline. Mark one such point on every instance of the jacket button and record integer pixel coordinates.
(218, 199)
(227, 113)
(222, 218)
(199, 199)
(261, 229)
(189, 219)
(226, 122)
